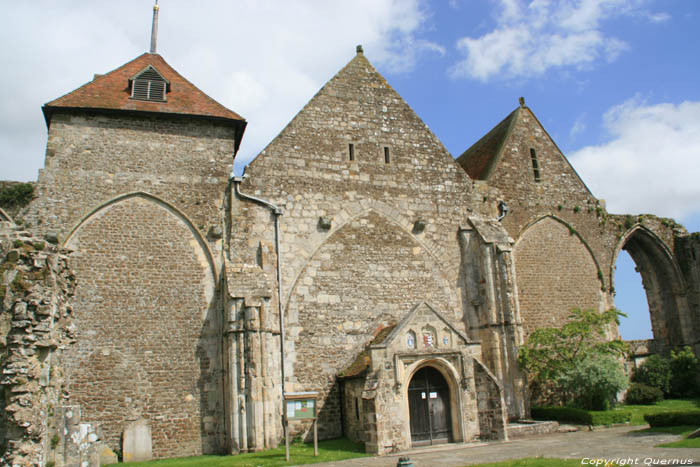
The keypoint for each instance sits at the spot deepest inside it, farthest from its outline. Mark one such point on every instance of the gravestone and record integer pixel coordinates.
(137, 442)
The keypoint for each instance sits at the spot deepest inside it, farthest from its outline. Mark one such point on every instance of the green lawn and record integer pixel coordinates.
(676, 430)
(638, 411)
(332, 450)
(534, 462)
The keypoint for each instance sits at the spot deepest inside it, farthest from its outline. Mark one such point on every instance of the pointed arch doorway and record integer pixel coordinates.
(429, 408)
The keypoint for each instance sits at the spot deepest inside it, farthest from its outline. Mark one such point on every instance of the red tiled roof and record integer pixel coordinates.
(480, 159)
(111, 92)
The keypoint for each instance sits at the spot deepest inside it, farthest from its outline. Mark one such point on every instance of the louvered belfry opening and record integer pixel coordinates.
(149, 85)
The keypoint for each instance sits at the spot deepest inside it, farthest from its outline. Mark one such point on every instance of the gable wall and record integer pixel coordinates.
(369, 267)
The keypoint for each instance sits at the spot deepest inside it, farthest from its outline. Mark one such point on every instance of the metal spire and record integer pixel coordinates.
(154, 28)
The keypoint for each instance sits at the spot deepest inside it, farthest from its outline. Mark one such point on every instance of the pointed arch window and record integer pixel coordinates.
(149, 85)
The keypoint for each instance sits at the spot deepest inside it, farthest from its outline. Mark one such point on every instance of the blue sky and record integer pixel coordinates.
(613, 81)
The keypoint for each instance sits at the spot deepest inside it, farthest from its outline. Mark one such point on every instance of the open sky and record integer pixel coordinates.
(615, 82)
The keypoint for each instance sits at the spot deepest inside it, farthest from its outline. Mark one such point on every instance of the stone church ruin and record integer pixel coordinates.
(148, 295)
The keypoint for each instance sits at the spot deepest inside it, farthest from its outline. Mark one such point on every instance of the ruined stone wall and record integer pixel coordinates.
(353, 255)
(149, 328)
(36, 287)
(90, 159)
(555, 273)
(688, 253)
(567, 243)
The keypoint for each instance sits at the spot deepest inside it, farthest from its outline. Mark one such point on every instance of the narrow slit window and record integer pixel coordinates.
(357, 409)
(535, 165)
(387, 155)
(351, 152)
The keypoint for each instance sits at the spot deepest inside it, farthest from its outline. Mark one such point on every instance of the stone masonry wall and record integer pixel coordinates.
(367, 274)
(91, 159)
(149, 329)
(36, 287)
(555, 273)
(308, 172)
(688, 252)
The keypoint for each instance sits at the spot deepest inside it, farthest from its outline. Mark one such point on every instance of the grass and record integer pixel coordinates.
(328, 451)
(638, 411)
(683, 431)
(534, 462)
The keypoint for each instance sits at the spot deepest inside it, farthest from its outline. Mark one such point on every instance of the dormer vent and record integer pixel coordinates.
(149, 85)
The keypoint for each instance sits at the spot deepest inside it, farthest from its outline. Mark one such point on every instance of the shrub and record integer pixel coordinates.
(675, 418)
(580, 416)
(16, 195)
(609, 417)
(640, 394)
(685, 380)
(654, 372)
(595, 381)
(562, 414)
(551, 357)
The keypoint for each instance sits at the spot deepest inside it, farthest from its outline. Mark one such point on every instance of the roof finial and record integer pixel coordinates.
(154, 28)
(522, 102)
(358, 49)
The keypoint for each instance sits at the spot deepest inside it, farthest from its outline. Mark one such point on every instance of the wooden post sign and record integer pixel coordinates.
(299, 406)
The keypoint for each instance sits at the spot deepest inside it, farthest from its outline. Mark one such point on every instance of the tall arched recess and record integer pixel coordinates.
(556, 271)
(149, 334)
(663, 284)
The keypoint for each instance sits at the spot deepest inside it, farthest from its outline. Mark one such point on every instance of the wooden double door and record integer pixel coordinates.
(429, 408)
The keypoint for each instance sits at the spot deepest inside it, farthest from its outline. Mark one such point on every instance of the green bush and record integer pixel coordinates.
(580, 416)
(642, 394)
(685, 380)
(676, 418)
(562, 414)
(609, 417)
(16, 195)
(654, 372)
(594, 382)
(552, 359)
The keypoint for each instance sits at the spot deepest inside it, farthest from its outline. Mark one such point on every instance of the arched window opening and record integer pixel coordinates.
(631, 299)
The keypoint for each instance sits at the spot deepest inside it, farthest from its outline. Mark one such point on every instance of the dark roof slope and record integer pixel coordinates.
(480, 159)
(111, 92)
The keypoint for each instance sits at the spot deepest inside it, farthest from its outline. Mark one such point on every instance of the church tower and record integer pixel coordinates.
(137, 164)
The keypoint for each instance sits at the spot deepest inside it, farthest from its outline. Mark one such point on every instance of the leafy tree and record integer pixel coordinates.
(551, 355)
(594, 382)
(685, 378)
(655, 371)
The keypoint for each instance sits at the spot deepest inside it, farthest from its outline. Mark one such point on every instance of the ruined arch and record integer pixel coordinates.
(147, 293)
(364, 276)
(356, 211)
(159, 202)
(556, 270)
(663, 284)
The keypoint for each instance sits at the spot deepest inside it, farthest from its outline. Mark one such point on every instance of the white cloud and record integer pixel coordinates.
(652, 162)
(534, 36)
(261, 58)
(578, 127)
